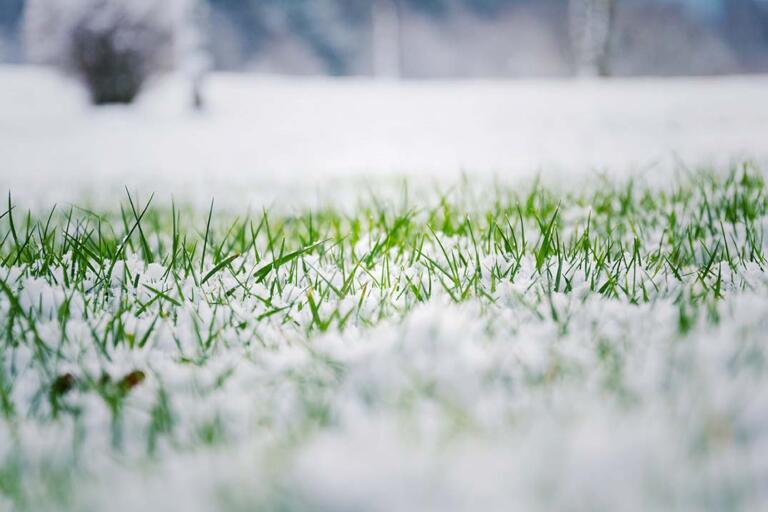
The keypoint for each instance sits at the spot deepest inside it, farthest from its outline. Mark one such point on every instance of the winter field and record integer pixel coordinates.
(355, 296)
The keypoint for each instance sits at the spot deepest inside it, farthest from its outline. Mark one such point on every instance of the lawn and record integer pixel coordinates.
(480, 346)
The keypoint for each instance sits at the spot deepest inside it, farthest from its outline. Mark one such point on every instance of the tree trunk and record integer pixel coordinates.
(193, 58)
(592, 24)
(385, 32)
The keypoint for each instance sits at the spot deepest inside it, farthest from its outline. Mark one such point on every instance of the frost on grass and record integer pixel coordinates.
(528, 351)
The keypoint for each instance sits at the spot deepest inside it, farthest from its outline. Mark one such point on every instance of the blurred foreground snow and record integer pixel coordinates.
(265, 140)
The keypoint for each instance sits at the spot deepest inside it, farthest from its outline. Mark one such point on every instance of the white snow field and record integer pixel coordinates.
(415, 326)
(264, 139)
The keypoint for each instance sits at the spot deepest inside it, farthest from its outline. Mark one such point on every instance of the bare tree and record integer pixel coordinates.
(592, 25)
(386, 38)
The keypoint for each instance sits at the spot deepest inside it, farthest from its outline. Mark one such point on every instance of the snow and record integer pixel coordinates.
(268, 140)
(690, 430)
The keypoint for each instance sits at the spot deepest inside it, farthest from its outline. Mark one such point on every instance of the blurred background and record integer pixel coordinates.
(471, 38)
(241, 98)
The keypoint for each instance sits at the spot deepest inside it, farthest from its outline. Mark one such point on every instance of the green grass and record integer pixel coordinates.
(626, 243)
(81, 289)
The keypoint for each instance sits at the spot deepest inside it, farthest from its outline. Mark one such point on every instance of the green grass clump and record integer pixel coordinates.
(629, 243)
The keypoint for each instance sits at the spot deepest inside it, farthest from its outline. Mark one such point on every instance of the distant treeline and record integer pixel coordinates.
(471, 38)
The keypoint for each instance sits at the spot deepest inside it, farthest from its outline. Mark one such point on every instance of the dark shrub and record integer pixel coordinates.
(112, 46)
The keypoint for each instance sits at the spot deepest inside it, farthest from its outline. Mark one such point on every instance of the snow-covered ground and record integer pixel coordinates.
(263, 140)
(524, 394)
